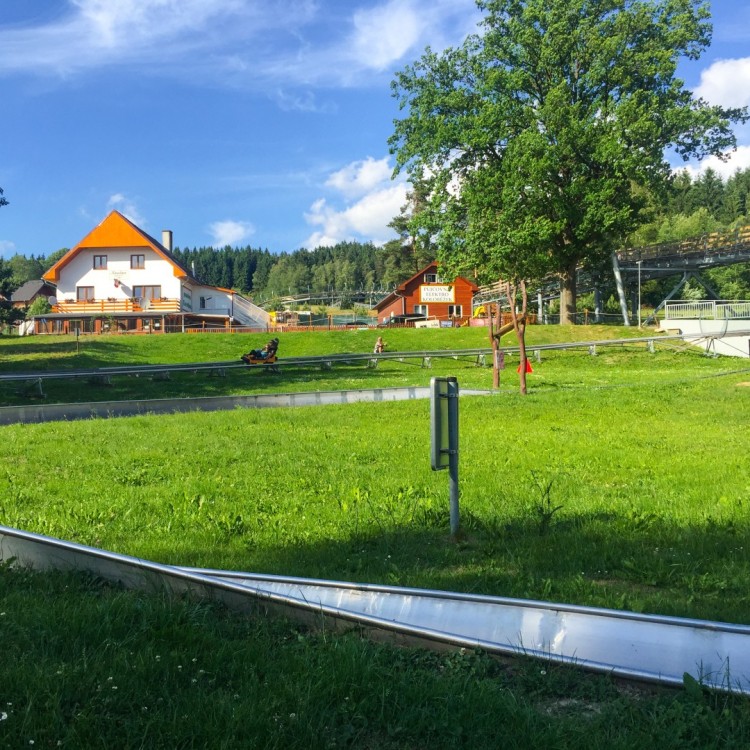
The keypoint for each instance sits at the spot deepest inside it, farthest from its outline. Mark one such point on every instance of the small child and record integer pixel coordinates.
(379, 346)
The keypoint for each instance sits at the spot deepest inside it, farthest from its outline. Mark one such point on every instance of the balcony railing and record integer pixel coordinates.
(112, 306)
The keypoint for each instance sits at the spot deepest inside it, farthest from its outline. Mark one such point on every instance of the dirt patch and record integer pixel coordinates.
(746, 384)
(571, 707)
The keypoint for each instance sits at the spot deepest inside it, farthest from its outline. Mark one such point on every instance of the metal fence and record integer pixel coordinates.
(707, 310)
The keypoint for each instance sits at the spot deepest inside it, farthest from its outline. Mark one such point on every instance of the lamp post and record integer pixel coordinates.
(639, 293)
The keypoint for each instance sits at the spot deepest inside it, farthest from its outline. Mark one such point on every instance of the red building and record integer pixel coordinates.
(428, 295)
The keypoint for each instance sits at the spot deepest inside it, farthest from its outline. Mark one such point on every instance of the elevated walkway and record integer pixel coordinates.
(635, 266)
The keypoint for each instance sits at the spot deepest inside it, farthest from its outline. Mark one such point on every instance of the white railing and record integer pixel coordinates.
(707, 310)
(249, 313)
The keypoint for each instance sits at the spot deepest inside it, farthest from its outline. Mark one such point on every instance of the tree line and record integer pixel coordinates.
(691, 207)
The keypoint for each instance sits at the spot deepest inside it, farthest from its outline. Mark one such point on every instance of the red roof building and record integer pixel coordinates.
(428, 295)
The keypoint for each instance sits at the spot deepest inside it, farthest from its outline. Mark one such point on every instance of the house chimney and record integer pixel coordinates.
(166, 239)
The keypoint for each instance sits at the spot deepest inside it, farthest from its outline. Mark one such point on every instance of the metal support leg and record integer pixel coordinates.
(597, 304)
(680, 284)
(620, 290)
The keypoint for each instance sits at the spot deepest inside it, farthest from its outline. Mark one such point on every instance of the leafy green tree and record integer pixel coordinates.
(533, 136)
(6, 284)
(52, 258)
(681, 227)
(709, 192)
(40, 306)
(25, 269)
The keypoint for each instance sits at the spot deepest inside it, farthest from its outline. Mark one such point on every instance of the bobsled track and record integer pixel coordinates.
(326, 361)
(627, 645)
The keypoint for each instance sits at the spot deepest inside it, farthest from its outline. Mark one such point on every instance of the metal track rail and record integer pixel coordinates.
(329, 360)
(629, 645)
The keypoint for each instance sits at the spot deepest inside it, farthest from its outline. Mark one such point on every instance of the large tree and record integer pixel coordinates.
(541, 136)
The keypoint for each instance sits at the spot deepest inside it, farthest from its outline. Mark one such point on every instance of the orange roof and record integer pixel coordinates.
(115, 231)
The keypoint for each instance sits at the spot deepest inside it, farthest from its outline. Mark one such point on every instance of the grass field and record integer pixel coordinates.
(648, 509)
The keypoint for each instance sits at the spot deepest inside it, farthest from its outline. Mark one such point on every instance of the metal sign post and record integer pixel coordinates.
(444, 437)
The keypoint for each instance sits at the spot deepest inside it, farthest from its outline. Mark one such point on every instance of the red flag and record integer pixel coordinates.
(528, 367)
(117, 283)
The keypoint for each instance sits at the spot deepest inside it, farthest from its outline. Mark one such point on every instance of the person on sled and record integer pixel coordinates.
(267, 352)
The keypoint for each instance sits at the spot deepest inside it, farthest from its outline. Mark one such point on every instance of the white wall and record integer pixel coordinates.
(80, 271)
(730, 345)
(215, 301)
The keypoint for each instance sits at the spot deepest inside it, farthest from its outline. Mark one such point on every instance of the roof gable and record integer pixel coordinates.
(402, 287)
(115, 231)
(26, 291)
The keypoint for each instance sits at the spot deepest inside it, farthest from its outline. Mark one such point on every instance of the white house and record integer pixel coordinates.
(120, 276)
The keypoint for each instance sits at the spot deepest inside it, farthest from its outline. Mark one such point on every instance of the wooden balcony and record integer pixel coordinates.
(112, 306)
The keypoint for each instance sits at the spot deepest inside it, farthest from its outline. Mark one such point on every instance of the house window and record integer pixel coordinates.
(203, 302)
(432, 278)
(455, 311)
(137, 261)
(85, 293)
(420, 310)
(147, 292)
(100, 262)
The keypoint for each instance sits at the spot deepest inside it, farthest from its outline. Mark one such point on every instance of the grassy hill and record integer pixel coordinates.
(648, 509)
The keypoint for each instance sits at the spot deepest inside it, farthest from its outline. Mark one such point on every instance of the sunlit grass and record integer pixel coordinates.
(645, 457)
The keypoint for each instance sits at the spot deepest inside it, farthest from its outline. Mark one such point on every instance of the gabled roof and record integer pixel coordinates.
(117, 231)
(398, 291)
(29, 290)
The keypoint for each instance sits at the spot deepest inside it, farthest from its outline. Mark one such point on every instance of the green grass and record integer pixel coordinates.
(645, 454)
(39, 354)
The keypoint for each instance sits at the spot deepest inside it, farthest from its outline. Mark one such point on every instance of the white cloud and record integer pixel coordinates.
(379, 201)
(127, 207)
(739, 159)
(271, 45)
(304, 101)
(7, 248)
(726, 83)
(360, 177)
(92, 33)
(383, 34)
(230, 232)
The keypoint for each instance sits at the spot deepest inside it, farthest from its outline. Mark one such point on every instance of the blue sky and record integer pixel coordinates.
(260, 122)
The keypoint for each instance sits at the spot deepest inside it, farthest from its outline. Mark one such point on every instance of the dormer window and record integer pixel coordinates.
(138, 261)
(100, 262)
(432, 278)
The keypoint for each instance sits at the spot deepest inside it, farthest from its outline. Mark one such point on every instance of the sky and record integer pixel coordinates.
(237, 122)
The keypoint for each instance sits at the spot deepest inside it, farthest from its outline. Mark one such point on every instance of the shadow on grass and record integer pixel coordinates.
(600, 559)
(206, 382)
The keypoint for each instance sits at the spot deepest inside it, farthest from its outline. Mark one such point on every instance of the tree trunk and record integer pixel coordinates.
(519, 325)
(495, 343)
(568, 295)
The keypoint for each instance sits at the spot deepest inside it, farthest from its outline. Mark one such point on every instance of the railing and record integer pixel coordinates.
(713, 242)
(162, 304)
(112, 306)
(707, 310)
(249, 313)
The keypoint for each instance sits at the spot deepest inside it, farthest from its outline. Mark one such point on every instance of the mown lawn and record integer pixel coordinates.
(647, 509)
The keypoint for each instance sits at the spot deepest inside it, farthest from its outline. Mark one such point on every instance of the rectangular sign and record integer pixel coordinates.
(437, 293)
